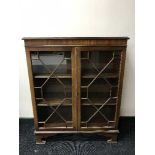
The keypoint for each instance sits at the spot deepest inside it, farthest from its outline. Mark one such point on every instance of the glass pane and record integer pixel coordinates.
(99, 84)
(53, 88)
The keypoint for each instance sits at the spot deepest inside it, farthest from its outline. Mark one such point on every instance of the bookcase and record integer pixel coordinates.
(76, 84)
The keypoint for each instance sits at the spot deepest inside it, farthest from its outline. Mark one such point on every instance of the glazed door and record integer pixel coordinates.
(52, 79)
(98, 87)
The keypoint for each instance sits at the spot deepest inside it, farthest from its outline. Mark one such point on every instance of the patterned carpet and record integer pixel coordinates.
(77, 144)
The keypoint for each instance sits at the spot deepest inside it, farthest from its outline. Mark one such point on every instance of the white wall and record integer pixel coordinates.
(78, 18)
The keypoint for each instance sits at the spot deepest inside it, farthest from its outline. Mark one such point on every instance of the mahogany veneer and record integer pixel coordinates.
(76, 84)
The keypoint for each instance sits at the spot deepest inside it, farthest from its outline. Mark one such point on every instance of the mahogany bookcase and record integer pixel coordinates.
(76, 84)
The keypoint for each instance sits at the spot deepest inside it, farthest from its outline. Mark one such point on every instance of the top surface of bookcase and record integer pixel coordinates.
(46, 42)
(83, 38)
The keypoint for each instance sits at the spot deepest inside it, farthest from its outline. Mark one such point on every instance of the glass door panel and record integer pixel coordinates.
(52, 78)
(99, 84)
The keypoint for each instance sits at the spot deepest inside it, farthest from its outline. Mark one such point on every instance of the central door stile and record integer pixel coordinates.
(76, 82)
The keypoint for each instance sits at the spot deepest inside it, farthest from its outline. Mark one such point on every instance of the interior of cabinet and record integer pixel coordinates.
(52, 79)
(99, 87)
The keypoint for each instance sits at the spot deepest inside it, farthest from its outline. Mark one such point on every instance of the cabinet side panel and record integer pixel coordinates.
(121, 76)
(29, 66)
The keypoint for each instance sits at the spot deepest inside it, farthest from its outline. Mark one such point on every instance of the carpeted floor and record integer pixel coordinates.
(77, 144)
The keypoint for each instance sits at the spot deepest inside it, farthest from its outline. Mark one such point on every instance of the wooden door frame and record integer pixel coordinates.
(76, 83)
(31, 82)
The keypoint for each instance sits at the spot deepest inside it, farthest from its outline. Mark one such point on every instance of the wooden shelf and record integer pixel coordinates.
(43, 76)
(55, 102)
(55, 125)
(99, 124)
(97, 101)
(68, 76)
(105, 75)
(68, 102)
(97, 104)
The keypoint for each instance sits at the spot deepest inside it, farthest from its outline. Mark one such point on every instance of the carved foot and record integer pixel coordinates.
(112, 139)
(39, 140)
